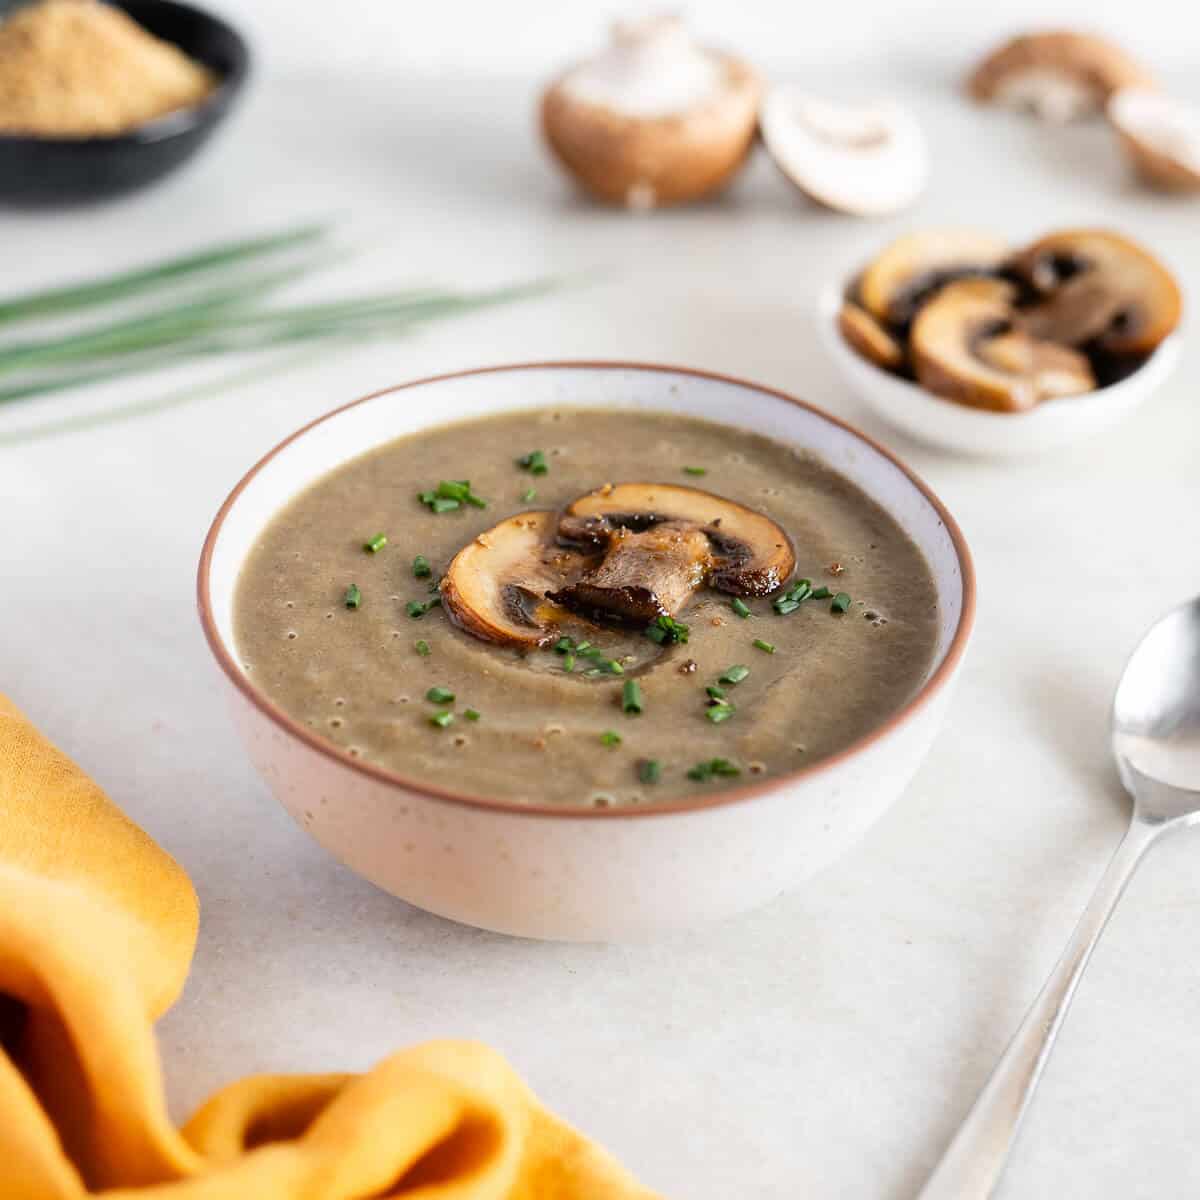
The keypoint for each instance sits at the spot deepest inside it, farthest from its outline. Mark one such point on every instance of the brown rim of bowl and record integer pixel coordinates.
(933, 684)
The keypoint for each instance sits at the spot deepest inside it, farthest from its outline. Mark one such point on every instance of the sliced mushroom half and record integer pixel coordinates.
(911, 270)
(495, 587)
(1058, 75)
(968, 345)
(1161, 135)
(661, 542)
(868, 159)
(1100, 289)
(868, 337)
(654, 120)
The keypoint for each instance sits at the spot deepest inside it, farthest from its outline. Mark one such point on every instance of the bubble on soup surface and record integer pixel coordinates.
(290, 604)
(335, 722)
(292, 635)
(757, 768)
(353, 751)
(339, 701)
(601, 800)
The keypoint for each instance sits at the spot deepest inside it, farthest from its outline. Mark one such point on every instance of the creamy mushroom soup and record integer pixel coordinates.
(633, 607)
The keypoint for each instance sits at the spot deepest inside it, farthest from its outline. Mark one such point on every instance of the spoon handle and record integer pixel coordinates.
(974, 1160)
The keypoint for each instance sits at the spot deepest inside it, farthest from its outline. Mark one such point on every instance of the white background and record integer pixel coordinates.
(827, 1045)
(511, 36)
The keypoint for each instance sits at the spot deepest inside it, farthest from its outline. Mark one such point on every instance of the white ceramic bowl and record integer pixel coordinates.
(594, 874)
(940, 422)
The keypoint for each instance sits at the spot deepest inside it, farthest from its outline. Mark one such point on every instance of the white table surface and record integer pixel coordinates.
(828, 1044)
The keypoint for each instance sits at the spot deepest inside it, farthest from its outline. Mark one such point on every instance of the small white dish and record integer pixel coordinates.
(943, 423)
(551, 871)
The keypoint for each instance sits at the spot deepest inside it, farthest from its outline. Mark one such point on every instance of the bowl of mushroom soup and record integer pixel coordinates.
(585, 651)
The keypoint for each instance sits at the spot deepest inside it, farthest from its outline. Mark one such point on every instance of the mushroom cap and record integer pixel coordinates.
(1059, 74)
(656, 120)
(748, 554)
(868, 337)
(968, 346)
(869, 159)
(1099, 288)
(895, 284)
(495, 586)
(1161, 135)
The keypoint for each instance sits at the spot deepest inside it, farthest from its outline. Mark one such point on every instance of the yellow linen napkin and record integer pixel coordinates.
(97, 928)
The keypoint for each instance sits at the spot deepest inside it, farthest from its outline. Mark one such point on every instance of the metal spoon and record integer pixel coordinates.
(1156, 742)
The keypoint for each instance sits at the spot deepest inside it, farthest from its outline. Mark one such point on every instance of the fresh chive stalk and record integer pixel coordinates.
(122, 286)
(740, 607)
(375, 544)
(765, 647)
(442, 719)
(353, 596)
(422, 648)
(610, 738)
(421, 568)
(471, 714)
(734, 674)
(631, 698)
(695, 470)
(439, 695)
(841, 602)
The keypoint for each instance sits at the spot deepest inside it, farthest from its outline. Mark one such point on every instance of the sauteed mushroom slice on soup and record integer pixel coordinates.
(659, 543)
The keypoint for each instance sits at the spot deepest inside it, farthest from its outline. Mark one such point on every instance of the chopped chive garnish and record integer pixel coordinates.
(667, 631)
(821, 593)
(649, 770)
(375, 544)
(442, 719)
(421, 567)
(415, 608)
(714, 692)
(841, 602)
(722, 767)
(740, 607)
(471, 714)
(720, 712)
(440, 695)
(765, 647)
(610, 738)
(601, 665)
(735, 674)
(528, 495)
(422, 648)
(534, 462)
(695, 470)
(789, 601)
(353, 597)
(631, 697)
(451, 494)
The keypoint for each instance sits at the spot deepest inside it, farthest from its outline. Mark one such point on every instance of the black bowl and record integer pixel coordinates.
(38, 171)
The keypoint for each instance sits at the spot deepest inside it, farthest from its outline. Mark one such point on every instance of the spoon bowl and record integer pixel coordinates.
(1156, 710)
